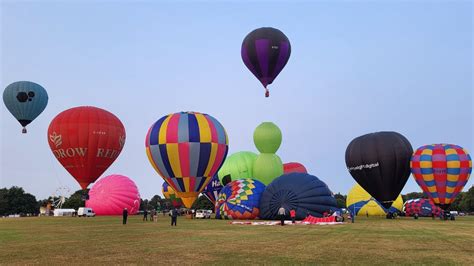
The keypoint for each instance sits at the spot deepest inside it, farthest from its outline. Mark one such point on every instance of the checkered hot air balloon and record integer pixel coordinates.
(187, 149)
(422, 207)
(240, 199)
(441, 170)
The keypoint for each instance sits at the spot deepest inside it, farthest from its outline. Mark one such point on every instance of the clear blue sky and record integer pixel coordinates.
(355, 68)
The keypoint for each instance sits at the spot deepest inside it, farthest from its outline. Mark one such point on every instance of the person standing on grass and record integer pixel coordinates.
(145, 215)
(174, 216)
(152, 215)
(293, 216)
(282, 214)
(125, 215)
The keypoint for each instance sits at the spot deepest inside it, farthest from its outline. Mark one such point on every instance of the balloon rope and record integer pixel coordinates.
(55, 171)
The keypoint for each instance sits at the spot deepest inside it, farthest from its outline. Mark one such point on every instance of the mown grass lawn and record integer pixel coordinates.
(100, 240)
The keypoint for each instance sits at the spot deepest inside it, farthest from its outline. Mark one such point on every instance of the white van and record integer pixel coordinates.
(85, 212)
(203, 214)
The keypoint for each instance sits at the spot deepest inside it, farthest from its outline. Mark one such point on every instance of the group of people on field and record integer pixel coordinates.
(153, 216)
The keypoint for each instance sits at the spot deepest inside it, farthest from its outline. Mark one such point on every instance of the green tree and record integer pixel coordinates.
(16, 201)
(467, 203)
(203, 203)
(156, 202)
(457, 203)
(4, 201)
(341, 200)
(75, 201)
(414, 195)
(144, 205)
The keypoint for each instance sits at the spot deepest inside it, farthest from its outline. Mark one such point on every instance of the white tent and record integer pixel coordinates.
(64, 212)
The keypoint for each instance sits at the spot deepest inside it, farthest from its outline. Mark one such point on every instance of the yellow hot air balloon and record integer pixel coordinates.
(362, 203)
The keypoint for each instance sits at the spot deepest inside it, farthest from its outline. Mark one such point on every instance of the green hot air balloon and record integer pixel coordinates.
(237, 166)
(267, 138)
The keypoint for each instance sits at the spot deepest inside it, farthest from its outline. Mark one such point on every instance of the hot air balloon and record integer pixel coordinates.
(237, 166)
(265, 52)
(169, 193)
(359, 202)
(380, 163)
(304, 193)
(111, 194)
(294, 168)
(26, 100)
(240, 199)
(86, 140)
(441, 170)
(267, 138)
(422, 207)
(213, 189)
(187, 149)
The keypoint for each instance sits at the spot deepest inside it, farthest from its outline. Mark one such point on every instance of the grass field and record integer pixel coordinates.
(60, 240)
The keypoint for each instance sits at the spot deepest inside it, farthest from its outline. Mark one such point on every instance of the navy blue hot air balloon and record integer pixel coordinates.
(302, 192)
(25, 100)
(211, 191)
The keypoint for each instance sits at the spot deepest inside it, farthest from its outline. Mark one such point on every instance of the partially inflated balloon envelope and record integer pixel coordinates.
(442, 171)
(294, 168)
(380, 163)
(265, 52)
(362, 203)
(267, 138)
(111, 194)
(421, 207)
(213, 189)
(240, 199)
(86, 140)
(187, 149)
(237, 166)
(26, 100)
(169, 193)
(304, 193)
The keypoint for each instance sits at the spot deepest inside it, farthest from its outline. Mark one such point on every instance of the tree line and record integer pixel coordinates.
(15, 200)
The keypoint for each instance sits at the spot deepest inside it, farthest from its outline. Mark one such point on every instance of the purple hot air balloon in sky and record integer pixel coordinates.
(265, 52)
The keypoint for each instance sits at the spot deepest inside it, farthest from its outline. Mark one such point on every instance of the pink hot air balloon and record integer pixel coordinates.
(111, 194)
(294, 168)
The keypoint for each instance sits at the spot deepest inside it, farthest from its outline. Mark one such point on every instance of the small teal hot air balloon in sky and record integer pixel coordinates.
(25, 100)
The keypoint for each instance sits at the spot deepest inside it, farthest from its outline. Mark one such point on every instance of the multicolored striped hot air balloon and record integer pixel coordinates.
(187, 149)
(265, 52)
(441, 170)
